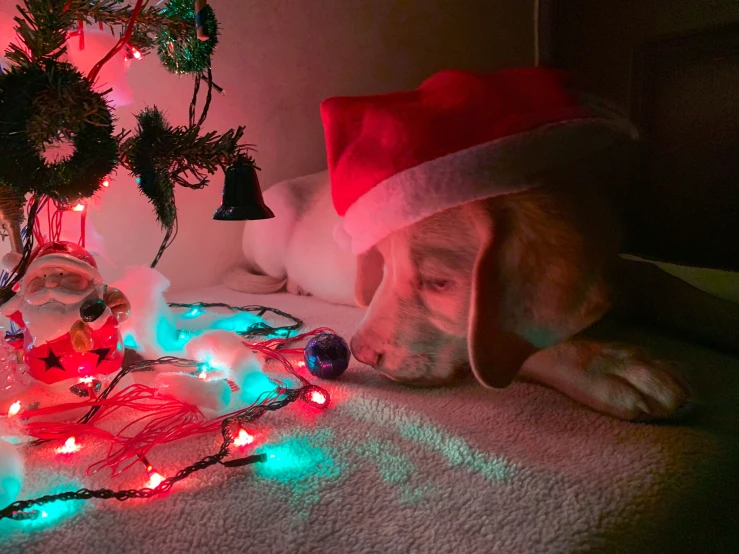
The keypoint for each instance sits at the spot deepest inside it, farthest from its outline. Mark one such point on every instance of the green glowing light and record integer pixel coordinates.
(253, 385)
(129, 341)
(300, 466)
(167, 335)
(193, 313)
(50, 514)
(241, 321)
(395, 469)
(412, 427)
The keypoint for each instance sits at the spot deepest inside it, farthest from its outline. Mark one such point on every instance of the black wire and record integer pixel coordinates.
(18, 510)
(259, 329)
(169, 237)
(194, 100)
(208, 98)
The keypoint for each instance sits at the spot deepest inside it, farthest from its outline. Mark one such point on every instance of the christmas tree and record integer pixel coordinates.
(45, 101)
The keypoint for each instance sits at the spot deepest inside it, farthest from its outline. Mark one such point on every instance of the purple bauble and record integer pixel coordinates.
(327, 356)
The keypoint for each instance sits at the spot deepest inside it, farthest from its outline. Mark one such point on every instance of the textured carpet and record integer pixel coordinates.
(394, 469)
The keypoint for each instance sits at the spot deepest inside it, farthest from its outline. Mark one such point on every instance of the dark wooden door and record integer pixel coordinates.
(673, 65)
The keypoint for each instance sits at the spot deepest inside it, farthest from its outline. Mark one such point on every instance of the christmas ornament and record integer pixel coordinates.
(242, 195)
(69, 316)
(327, 356)
(186, 53)
(37, 106)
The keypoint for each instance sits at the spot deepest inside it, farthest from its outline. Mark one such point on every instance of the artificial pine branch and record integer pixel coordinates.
(149, 23)
(43, 99)
(162, 156)
(42, 27)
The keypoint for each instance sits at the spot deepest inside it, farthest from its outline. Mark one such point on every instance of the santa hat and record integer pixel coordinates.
(395, 159)
(63, 255)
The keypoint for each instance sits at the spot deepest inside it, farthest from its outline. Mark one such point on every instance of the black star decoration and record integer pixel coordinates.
(52, 361)
(102, 354)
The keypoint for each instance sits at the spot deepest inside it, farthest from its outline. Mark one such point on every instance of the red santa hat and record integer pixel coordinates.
(63, 255)
(395, 159)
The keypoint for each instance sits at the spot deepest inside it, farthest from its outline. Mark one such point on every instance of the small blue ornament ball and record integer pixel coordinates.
(327, 356)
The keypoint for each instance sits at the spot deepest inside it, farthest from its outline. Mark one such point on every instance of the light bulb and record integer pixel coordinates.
(70, 447)
(243, 438)
(15, 407)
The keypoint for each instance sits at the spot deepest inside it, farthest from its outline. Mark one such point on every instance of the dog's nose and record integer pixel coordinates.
(364, 353)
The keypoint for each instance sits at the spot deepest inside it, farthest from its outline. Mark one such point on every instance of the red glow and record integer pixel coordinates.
(155, 479)
(317, 397)
(106, 183)
(79, 208)
(136, 54)
(243, 438)
(70, 447)
(15, 407)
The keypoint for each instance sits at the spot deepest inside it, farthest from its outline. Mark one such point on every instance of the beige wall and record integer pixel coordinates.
(277, 60)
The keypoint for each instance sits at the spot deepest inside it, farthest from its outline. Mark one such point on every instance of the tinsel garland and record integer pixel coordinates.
(40, 104)
(186, 53)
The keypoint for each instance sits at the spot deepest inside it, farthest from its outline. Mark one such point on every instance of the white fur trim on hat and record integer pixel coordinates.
(503, 166)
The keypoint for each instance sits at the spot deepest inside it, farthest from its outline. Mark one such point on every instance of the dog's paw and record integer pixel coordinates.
(627, 383)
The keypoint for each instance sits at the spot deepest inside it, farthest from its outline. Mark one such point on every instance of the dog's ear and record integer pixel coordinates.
(496, 354)
(540, 276)
(370, 269)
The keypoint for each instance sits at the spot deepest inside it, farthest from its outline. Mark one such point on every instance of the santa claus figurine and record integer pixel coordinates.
(69, 316)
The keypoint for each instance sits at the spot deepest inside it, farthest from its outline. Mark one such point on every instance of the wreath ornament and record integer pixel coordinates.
(40, 105)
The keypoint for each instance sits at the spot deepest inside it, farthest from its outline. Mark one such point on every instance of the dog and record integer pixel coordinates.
(505, 287)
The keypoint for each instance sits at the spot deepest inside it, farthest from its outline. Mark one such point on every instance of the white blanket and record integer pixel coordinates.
(395, 469)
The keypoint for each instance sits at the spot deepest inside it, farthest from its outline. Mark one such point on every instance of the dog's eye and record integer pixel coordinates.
(435, 285)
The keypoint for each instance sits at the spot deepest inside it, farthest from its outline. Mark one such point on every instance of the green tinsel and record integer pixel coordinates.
(43, 103)
(184, 52)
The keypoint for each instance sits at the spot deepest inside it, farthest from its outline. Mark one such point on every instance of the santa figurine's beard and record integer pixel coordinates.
(54, 317)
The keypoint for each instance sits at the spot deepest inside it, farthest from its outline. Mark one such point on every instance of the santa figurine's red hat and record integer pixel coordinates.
(395, 159)
(63, 255)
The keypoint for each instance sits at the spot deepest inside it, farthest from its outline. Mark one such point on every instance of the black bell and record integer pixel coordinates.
(242, 196)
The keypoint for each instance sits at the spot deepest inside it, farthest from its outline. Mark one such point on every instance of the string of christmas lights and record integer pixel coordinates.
(259, 329)
(104, 404)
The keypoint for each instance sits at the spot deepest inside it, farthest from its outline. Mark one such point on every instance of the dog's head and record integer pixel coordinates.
(483, 285)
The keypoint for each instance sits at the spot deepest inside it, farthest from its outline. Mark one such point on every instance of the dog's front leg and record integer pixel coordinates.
(616, 379)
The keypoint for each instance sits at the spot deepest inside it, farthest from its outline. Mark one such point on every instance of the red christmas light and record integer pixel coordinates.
(70, 447)
(15, 407)
(318, 398)
(155, 479)
(243, 438)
